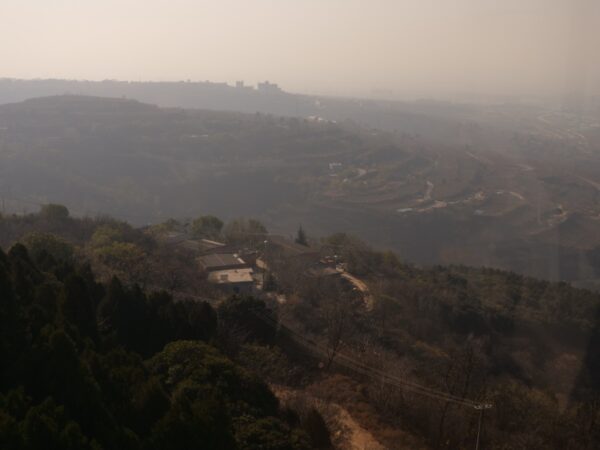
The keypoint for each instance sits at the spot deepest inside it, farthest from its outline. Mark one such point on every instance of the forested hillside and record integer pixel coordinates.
(407, 358)
(294, 225)
(88, 365)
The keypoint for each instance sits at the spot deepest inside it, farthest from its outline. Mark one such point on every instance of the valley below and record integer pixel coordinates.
(510, 187)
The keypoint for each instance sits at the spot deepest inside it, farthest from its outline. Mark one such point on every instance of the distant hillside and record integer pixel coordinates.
(205, 95)
(500, 189)
(145, 164)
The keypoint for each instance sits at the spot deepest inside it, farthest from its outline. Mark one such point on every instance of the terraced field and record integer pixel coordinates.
(515, 188)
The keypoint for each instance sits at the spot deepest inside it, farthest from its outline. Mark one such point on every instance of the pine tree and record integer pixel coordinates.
(301, 237)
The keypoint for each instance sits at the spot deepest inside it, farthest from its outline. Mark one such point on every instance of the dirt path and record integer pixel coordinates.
(362, 287)
(358, 437)
(344, 429)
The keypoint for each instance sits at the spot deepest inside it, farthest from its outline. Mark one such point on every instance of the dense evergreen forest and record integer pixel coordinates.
(88, 365)
(104, 347)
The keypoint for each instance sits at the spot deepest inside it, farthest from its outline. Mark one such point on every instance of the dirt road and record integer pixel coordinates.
(362, 287)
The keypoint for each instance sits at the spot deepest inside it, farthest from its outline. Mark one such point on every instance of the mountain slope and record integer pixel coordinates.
(475, 191)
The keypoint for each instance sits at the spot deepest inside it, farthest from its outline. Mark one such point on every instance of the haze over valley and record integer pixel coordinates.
(439, 183)
(299, 225)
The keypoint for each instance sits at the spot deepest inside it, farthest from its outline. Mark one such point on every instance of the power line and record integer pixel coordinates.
(400, 383)
(351, 363)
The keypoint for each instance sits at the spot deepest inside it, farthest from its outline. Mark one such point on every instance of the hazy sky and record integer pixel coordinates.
(428, 47)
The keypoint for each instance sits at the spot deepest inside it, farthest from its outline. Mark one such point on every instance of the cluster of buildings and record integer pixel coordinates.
(238, 269)
(263, 88)
(242, 271)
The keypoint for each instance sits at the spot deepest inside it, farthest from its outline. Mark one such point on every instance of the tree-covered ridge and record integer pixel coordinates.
(87, 365)
(113, 247)
(528, 346)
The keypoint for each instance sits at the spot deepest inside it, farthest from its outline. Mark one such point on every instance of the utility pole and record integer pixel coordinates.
(481, 408)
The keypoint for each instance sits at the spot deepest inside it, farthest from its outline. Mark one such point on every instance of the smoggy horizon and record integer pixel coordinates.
(406, 48)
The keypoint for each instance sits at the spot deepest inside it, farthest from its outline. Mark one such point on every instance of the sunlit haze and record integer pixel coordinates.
(412, 48)
(299, 224)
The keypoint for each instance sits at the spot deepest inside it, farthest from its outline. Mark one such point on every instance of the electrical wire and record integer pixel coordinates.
(352, 364)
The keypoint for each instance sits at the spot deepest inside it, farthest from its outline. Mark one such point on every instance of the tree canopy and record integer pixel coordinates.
(87, 365)
(208, 227)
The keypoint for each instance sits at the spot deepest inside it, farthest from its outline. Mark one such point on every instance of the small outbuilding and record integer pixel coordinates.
(234, 281)
(228, 271)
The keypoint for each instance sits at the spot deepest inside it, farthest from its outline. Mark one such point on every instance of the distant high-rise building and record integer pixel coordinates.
(269, 88)
(241, 86)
